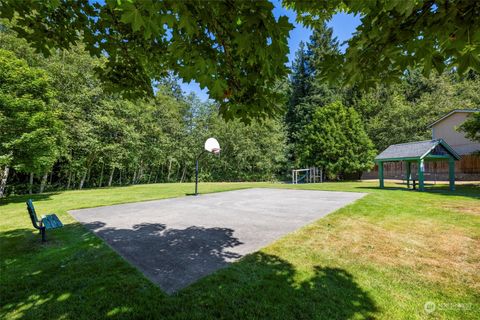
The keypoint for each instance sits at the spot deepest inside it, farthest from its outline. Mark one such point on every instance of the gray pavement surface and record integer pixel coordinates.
(175, 242)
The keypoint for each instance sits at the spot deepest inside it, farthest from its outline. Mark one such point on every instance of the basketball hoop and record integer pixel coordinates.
(212, 146)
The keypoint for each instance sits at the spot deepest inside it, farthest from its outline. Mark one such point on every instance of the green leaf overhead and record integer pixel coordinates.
(396, 34)
(236, 49)
(133, 16)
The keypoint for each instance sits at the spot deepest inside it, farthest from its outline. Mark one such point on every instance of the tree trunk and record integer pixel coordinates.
(140, 172)
(184, 172)
(82, 181)
(169, 169)
(69, 179)
(87, 180)
(134, 179)
(74, 179)
(111, 177)
(44, 182)
(176, 173)
(101, 176)
(3, 182)
(120, 177)
(30, 183)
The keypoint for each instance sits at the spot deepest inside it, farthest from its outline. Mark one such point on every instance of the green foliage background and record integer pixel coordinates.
(389, 113)
(30, 135)
(471, 127)
(336, 141)
(80, 135)
(97, 138)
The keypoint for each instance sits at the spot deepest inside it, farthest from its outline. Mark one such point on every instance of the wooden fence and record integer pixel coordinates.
(466, 169)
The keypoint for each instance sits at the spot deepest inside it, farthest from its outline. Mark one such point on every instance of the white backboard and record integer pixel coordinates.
(212, 145)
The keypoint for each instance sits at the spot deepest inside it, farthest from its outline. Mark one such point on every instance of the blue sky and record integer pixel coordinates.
(343, 26)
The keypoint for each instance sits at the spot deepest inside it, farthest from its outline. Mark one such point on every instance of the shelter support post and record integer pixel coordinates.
(451, 173)
(380, 174)
(409, 173)
(421, 180)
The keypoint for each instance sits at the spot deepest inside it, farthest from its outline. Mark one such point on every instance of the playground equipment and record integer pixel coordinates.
(309, 175)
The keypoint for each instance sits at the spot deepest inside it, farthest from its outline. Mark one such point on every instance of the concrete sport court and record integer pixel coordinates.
(175, 242)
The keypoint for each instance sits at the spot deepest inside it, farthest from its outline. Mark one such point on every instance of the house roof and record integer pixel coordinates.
(415, 150)
(452, 112)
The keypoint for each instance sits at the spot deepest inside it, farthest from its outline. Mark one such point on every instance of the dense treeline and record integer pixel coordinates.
(61, 129)
(322, 129)
(390, 114)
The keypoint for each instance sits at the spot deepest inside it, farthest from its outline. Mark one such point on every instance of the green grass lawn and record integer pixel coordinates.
(383, 257)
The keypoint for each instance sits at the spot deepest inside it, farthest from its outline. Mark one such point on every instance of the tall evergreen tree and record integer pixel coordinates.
(300, 83)
(321, 47)
(307, 90)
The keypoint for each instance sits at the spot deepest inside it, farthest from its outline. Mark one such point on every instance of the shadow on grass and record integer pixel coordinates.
(23, 198)
(264, 286)
(77, 276)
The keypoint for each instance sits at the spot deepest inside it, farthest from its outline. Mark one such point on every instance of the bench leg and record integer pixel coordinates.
(44, 236)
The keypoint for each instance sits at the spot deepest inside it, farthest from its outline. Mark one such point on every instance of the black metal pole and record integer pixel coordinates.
(196, 172)
(196, 177)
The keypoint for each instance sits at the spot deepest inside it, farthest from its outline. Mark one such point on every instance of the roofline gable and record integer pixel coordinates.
(430, 150)
(446, 146)
(452, 112)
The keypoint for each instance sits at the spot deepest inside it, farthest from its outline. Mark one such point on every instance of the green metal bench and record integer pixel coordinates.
(47, 222)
